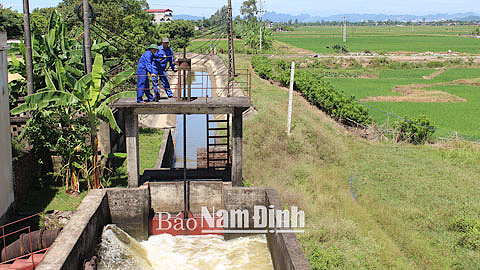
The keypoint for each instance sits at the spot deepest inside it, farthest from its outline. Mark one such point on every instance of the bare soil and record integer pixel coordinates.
(418, 93)
(435, 74)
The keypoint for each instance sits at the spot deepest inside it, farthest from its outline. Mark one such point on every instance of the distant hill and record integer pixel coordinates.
(186, 17)
(280, 17)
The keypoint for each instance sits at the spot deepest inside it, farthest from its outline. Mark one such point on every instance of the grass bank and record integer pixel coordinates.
(407, 197)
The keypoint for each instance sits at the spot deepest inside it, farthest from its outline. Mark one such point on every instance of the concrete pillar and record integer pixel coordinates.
(104, 138)
(237, 134)
(6, 174)
(133, 158)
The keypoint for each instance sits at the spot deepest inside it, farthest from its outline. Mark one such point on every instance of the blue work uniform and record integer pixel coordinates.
(160, 61)
(144, 67)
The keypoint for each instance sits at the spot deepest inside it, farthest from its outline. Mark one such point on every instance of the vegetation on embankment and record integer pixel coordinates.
(49, 194)
(316, 90)
(408, 198)
(443, 91)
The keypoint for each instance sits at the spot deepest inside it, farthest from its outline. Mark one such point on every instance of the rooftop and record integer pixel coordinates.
(158, 10)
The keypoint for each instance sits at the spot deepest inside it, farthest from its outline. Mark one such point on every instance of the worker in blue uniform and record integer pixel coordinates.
(145, 66)
(162, 58)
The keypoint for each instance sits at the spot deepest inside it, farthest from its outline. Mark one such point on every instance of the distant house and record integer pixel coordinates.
(161, 15)
(269, 24)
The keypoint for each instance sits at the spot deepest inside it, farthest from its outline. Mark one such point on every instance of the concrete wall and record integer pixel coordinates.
(78, 239)
(6, 178)
(130, 209)
(244, 198)
(167, 151)
(168, 197)
(284, 247)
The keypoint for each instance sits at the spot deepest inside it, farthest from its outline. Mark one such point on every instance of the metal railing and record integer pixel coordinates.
(28, 230)
(222, 85)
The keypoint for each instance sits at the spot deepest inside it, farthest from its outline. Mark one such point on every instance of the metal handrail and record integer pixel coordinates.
(26, 255)
(245, 84)
(27, 228)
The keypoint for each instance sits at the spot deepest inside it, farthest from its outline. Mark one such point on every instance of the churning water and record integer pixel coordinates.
(120, 251)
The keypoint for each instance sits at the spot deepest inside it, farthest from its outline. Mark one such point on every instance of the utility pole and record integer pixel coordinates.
(28, 46)
(290, 99)
(231, 50)
(86, 36)
(344, 29)
(261, 19)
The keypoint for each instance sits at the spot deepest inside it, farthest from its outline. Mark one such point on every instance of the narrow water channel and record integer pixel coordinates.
(196, 125)
(120, 251)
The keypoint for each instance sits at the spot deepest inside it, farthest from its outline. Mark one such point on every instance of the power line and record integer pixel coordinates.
(190, 7)
(213, 44)
(219, 33)
(116, 35)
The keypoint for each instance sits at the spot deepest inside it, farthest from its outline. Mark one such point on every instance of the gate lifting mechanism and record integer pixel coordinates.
(184, 70)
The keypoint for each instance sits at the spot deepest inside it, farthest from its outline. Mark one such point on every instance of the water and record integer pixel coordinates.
(119, 251)
(196, 126)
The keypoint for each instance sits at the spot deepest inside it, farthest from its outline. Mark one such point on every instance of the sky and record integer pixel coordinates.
(295, 7)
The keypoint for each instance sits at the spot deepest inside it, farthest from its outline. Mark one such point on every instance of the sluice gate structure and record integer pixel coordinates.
(181, 195)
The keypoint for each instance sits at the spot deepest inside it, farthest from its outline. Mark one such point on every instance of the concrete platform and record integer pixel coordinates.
(214, 105)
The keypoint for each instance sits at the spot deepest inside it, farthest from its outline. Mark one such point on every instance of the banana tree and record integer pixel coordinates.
(90, 95)
(56, 45)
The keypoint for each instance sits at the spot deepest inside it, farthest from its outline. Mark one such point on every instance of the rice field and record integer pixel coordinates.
(450, 117)
(320, 39)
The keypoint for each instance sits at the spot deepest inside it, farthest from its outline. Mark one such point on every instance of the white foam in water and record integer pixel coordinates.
(119, 251)
(208, 252)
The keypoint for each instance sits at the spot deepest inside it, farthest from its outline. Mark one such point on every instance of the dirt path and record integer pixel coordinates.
(435, 74)
(289, 49)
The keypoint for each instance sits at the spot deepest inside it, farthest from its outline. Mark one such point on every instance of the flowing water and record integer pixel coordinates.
(120, 251)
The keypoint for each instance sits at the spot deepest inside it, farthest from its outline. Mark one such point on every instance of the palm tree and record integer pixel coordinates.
(88, 95)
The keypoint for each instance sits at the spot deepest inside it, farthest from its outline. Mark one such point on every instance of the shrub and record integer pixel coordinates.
(325, 258)
(435, 64)
(340, 48)
(316, 90)
(263, 66)
(470, 231)
(380, 62)
(417, 131)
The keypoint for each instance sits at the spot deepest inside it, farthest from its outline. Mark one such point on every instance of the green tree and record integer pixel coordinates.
(220, 18)
(91, 96)
(249, 9)
(11, 22)
(250, 34)
(180, 32)
(47, 48)
(39, 20)
(124, 23)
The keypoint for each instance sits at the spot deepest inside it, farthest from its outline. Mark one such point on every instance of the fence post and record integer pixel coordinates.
(290, 99)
